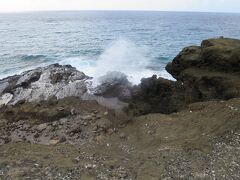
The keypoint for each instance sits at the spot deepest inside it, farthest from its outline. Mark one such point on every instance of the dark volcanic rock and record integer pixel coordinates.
(210, 71)
(114, 84)
(221, 55)
(206, 72)
(158, 95)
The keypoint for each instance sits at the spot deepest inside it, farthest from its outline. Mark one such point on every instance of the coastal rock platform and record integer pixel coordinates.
(54, 125)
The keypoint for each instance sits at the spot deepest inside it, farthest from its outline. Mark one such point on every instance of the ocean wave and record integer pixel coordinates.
(122, 56)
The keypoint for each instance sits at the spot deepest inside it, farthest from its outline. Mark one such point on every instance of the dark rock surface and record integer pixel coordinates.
(157, 95)
(114, 84)
(207, 72)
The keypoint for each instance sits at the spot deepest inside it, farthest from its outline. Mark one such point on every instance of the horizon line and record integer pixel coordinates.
(133, 10)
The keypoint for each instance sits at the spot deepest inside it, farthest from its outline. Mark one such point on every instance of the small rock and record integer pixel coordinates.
(95, 111)
(62, 139)
(63, 121)
(87, 117)
(105, 113)
(98, 116)
(36, 135)
(7, 139)
(76, 160)
(2, 142)
(95, 128)
(90, 166)
(76, 130)
(41, 127)
(73, 112)
(53, 142)
(60, 109)
(104, 123)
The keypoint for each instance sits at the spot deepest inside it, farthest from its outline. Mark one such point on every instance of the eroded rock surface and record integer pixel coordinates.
(203, 73)
(43, 83)
(114, 84)
(209, 71)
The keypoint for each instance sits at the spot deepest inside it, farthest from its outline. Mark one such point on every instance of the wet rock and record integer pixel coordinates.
(203, 73)
(157, 95)
(210, 71)
(114, 84)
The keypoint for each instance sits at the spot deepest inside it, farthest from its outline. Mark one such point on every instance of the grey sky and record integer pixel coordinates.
(162, 5)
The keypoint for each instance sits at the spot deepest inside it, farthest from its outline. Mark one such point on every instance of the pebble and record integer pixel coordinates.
(62, 139)
(41, 127)
(105, 113)
(73, 112)
(87, 117)
(60, 109)
(36, 135)
(53, 142)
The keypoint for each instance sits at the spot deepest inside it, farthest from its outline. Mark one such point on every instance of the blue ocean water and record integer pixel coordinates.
(134, 42)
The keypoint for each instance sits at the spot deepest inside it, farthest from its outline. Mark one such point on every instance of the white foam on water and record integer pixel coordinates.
(124, 56)
(121, 55)
(84, 64)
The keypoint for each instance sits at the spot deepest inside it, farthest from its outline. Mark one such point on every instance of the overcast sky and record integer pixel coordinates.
(162, 5)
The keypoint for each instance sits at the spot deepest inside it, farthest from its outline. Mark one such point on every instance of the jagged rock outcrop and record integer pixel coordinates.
(114, 85)
(206, 72)
(211, 71)
(157, 95)
(43, 83)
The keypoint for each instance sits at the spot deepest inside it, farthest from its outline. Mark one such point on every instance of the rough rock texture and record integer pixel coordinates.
(43, 83)
(114, 84)
(206, 72)
(211, 71)
(157, 95)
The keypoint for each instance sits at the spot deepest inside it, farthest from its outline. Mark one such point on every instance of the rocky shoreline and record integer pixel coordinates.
(55, 125)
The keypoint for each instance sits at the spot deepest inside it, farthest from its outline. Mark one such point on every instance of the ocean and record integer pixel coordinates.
(136, 43)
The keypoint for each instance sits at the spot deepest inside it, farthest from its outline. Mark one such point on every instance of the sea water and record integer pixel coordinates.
(136, 43)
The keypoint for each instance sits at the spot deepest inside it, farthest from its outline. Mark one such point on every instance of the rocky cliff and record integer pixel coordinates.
(207, 72)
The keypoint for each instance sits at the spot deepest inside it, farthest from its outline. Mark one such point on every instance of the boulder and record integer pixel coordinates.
(114, 85)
